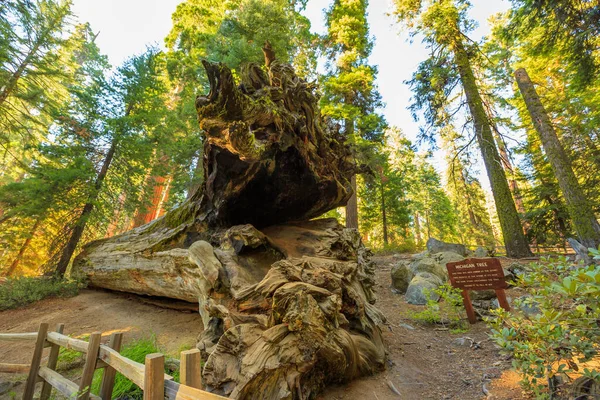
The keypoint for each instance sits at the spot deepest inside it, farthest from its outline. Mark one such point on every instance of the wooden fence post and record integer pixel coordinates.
(52, 360)
(108, 378)
(35, 362)
(90, 366)
(154, 377)
(190, 372)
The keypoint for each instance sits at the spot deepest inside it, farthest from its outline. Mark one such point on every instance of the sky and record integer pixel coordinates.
(126, 27)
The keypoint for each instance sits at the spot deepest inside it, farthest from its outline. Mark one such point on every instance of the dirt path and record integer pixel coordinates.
(427, 364)
(92, 311)
(423, 363)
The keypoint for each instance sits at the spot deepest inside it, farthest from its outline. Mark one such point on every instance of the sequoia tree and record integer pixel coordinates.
(581, 213)
(444, 23)
(350, 95)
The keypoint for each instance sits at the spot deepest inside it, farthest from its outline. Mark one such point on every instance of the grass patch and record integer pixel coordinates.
(69, 359)
(444, 307)
(135, 351)
(21, 291)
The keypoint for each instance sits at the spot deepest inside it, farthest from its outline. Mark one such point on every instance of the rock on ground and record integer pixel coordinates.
(425, 271)
(419, 285)
(437, 246)
(401, 276)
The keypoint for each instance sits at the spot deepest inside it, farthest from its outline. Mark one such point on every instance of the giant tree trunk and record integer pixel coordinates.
(512, 231)
(580, 210)
(287, 306)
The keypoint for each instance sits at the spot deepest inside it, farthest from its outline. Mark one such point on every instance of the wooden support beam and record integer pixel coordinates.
(68, 342)
(190, 369)
(108, 377)
(132, 370)
(35, 362)
(469, 307)
(18, 336)
(501, 295)
(176, 391)
(62, 384)
(90, 366)
(52, 360)
(154, 381)
(14, 368)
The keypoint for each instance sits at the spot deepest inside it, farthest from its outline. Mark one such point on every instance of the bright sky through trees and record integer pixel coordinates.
(127, 26)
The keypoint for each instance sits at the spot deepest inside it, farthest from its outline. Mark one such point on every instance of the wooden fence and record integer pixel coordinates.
(150, 377)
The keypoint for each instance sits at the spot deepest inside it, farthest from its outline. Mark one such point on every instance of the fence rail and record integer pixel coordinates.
(150, 377)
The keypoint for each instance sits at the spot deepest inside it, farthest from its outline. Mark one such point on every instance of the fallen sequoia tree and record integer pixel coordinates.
(286, 302)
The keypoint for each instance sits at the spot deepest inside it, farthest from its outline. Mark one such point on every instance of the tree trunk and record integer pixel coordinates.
(71, 245)
(508, 167)
(14, 78)
(352, 207)
(580, 210)
(13, 266)
(468, 199)
(383, 215)
(512, 231)
(158, 190)
(417, 229)
(286, 309)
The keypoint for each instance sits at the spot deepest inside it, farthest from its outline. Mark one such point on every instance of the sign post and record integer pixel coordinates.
(478, 274)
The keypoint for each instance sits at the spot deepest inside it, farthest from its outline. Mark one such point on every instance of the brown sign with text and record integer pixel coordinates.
(478, 274)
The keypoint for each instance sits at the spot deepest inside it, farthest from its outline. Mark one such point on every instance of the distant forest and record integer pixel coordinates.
(89, 150)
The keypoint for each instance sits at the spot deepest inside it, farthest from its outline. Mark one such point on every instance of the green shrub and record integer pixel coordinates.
(124, 388)
(393, 248)
(446, 308)
(25, 290)
(547, 346)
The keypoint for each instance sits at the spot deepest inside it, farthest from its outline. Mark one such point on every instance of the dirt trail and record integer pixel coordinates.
(92, 311)
(423, 363)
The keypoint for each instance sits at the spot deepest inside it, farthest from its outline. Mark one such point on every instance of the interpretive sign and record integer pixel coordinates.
(478, 274)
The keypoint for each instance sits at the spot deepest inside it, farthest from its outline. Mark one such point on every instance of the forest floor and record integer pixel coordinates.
(423, 363)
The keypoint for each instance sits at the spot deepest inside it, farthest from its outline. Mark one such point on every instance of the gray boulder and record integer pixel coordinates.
(437, 246)
(401, 276)
(422, 282)
(427, 264)
(581, 251)
(480, 252)
(446, 257)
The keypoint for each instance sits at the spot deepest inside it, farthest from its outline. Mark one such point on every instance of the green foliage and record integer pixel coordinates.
(350, 96)
(563, 334)
(19, 292)
(233, 32)
(124, 388)
(571, 25)
(444, 306)
(395, 248)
